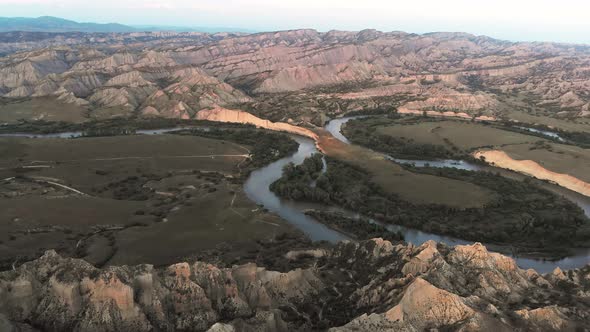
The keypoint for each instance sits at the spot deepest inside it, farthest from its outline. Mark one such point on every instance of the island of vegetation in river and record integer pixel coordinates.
(523, 218)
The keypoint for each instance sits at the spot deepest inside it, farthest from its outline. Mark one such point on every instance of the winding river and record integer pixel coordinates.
(257, 189)
(581, 257)
(543, 132)
(77, 134)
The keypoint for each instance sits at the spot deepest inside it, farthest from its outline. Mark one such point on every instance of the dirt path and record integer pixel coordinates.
(146, 157)
(50, 181)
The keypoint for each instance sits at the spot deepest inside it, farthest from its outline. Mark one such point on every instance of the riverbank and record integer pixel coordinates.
(260, 180)
(220, 114)
(183, 192)
(446, 114)
(501, 159)
(425, 189)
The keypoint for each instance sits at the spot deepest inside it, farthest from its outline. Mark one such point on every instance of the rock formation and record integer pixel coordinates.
(529, 167)
(372, 285)
(331, 72)
(225, 115)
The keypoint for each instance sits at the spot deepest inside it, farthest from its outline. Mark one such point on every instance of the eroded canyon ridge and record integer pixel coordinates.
(106, 205)
(298, 75)
(366, 286)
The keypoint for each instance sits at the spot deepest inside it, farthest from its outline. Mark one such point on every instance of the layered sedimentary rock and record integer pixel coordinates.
(225, 115)
(330, 72)
(372, 285)
(529, 167)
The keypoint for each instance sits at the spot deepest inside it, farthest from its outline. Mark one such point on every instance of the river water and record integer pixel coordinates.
(257, 189)
(581, 257)
(259, 181)
(77, 134)
(543, 132)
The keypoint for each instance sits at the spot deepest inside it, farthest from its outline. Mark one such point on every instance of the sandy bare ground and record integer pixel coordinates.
(531, 168)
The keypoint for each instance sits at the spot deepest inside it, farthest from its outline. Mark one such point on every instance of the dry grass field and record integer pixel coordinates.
(575, 125)
(48, 109)
(147, 199)
(464, 135)
(417, 188)
(558, 158)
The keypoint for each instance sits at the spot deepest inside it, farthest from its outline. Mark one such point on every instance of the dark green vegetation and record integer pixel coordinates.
(146, 199)
(110, 127)
(266, 146)
(296, 182)
(429, 138)
(529, 219)
(582, 139)
(579, 138)
(362, 132)
(360, 229)
(433, 138)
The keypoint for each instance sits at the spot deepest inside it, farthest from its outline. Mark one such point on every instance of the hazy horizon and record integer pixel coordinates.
(510, 20)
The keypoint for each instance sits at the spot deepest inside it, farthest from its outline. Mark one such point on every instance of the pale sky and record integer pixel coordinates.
(538, 20)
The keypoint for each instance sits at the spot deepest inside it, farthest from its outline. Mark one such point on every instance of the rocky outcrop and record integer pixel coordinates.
(303, 77)
(529, 167)
(332, 72)
(448, 100)
(372, 285)
(193, 91)
(234, 116)
(424, 305)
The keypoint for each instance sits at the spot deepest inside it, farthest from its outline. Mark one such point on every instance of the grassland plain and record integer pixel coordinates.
(464, 135)
(559, 158)
(146, 199)
(460, 139)
(413, 187)
(523, 218)
(572, 125)
(469, 136)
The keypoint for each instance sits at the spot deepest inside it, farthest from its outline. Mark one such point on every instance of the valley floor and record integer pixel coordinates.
(127, 199)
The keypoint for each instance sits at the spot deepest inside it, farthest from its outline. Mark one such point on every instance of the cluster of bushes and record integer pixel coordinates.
(524, 216)
(297, 181)
(130, 188)
(109, 131)
(109, 127)
(362, 132)
(581, 139)
(361, 229)
(266, 146)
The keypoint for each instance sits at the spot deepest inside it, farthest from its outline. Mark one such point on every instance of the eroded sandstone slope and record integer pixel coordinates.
(373, 285)
(301, 73)
(501, 159)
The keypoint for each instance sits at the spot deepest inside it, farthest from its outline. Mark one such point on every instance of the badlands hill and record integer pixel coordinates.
(367, 286)
(300, 75)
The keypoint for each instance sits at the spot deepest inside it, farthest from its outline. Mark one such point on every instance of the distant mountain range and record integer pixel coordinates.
(56, 24)
(303, 75)
(190, 29)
